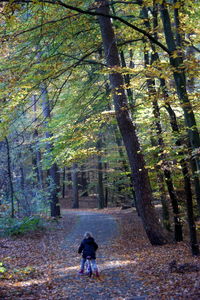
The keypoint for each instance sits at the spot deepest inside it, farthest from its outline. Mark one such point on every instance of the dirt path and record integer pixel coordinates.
(45, 266)
(104, 227)
(115, 282)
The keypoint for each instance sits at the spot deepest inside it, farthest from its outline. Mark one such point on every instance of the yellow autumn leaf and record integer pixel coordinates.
(177, 5)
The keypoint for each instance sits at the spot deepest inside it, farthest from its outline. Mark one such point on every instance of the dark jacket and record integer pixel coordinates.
(88, 247)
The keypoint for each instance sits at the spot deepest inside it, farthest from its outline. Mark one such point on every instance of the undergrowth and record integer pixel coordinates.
(16, 226)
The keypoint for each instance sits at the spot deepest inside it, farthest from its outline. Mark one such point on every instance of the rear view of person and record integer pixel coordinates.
(88, 248)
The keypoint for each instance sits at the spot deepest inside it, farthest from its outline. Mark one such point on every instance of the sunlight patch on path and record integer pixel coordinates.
(103, 266)
(25, 283)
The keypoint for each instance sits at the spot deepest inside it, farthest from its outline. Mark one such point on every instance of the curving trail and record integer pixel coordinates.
(115, 282)
(103, 227)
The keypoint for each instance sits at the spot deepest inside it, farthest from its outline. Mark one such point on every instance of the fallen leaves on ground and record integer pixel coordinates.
(152, 263)
(39, 267)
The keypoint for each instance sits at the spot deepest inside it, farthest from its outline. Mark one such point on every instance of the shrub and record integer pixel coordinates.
(9, 226)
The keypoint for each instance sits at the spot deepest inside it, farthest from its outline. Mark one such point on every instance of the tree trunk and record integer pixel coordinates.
(36, 150)
(174, 125)
(100, 187)
(181, 87)
(160, 142)
(143, 191)
(63, 183)
(174, 202)
(54, 201)
(10, 178)
(106, 188)
(74, 175)
(123, 159)
(195, 175)
(53, 170)
(186, 176)
(168, 180)
(24, 200)
(125, 165)
(190, 213)
(127, 82)
(161, 187)
(190, 87)
(196, 182)
(84, 183)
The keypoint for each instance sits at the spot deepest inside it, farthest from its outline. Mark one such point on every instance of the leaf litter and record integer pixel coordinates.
(38, 267)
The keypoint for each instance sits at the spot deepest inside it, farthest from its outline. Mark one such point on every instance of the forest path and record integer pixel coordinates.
(115, 281)
(104, 227)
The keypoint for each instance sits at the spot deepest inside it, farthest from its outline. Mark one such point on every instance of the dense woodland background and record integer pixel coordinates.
(100, 102)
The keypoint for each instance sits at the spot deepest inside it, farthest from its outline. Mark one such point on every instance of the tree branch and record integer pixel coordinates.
(123, 2)
(94, 13)
(195, 48)
(41, 25)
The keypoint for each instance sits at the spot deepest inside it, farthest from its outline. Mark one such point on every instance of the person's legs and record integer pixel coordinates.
(83, 260)
(94, 266)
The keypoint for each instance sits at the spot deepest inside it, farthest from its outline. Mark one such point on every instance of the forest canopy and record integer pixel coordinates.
(100, 99)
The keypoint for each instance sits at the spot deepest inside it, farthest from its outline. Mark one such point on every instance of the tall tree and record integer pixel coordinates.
(128, 131)
(177, 63)
(53, 170)
(160, 142)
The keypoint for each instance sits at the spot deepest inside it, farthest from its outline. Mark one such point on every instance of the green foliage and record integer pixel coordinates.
(14, 227)
(2, 268)
(17, 273)
(64, 52)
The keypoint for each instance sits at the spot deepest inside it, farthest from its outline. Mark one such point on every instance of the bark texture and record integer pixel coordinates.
(142, 187)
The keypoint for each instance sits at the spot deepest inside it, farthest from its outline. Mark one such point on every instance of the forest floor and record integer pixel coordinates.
(44, 265)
